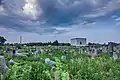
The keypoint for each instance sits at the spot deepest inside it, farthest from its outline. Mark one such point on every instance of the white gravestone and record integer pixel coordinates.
(50, 62)
(12, 62)
(114, 56)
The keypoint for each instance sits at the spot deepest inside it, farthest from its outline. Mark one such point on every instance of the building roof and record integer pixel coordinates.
(78, 39)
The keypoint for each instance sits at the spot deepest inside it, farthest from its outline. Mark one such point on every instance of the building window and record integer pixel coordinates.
(80, 43)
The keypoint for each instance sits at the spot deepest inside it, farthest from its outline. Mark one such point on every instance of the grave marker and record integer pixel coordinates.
(3, 66)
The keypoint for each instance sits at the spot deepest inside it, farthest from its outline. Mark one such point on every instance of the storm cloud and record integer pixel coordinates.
(43, 16)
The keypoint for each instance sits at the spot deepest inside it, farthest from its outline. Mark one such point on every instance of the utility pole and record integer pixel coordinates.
(20, 39)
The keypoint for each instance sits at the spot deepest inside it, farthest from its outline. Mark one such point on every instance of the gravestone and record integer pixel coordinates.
(17, 50)
(100, 51)
(49, 62)
(114, 56)
(110, 48)
(36, 55)
(89, 50)
(53, 69)
(3, 66)
(12, 62)
(22, 54)
(13, 53)
(104, 50)
(95, 51)
(31, 51)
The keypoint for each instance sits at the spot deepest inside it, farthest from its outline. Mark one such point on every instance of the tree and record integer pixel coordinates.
(90, 44)
(2, 40)
(55, 43)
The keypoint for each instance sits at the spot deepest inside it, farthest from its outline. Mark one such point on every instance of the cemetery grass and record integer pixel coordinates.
(76, 66)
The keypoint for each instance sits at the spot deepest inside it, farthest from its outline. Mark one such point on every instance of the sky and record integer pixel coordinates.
(49, 20)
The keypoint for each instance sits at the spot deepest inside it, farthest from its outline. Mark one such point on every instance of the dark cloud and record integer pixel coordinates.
(54, 13)
(0, 2)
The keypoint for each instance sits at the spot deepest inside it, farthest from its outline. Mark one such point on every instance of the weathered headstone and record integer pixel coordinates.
(89, 50)
(31, 51)
(12, 62)
(104, 50)
(110, 48)
(17, 50)
(22, 54)
(114, 56)
(36, 55)
(100, 51)
(41, 50)
(53, 69)
(13, 53)
(3, 66)
(50, 62)
(49, 45)
(95, 51)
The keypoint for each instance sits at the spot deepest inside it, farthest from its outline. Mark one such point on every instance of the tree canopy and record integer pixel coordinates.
(2, 40)
(54, 43)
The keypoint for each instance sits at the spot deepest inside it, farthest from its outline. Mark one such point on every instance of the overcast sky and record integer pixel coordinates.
(49, 20)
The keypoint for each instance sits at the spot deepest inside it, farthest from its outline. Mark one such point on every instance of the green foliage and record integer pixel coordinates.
(62, 74)
(2, 40)
(75, 67)
(27, 71)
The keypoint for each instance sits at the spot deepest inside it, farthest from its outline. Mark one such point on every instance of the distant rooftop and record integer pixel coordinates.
(77, 38)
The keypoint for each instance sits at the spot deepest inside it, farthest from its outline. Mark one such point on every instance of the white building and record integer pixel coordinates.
(79, 41)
